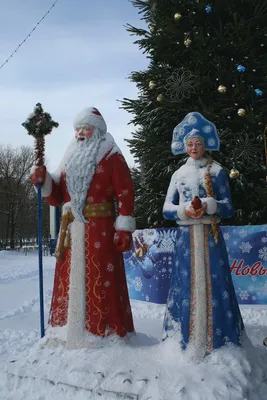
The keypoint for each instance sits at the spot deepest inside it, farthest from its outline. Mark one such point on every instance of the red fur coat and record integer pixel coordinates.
(107, 306)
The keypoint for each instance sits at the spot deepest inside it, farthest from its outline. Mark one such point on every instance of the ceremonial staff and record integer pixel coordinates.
(39, 124)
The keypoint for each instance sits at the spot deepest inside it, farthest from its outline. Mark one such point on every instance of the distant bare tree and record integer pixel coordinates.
(16, 191)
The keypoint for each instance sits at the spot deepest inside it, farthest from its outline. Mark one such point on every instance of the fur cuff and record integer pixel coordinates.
(125, 223)
(66, 208)
(211, 205)
(33, 168)
(47, 186)
(181, 210)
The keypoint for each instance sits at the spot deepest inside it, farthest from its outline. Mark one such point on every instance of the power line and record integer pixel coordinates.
(27, 37)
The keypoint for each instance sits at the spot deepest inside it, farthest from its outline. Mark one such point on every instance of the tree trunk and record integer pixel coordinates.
(7, 233)
(12, 230)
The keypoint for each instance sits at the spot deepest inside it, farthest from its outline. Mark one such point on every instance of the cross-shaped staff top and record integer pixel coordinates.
(39, 123)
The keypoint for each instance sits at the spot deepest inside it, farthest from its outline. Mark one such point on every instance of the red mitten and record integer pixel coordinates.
(38, 175)
(123, 240)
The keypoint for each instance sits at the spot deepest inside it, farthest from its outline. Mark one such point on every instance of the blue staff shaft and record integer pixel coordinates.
(41, 289)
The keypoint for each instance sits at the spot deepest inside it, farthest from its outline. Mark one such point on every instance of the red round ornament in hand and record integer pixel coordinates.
(123, 240)
(38, 176)
(196, 203)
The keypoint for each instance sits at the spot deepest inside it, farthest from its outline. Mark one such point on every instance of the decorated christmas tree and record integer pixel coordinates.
(209, 57)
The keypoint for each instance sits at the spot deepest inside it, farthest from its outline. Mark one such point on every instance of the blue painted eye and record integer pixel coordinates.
(197, 144)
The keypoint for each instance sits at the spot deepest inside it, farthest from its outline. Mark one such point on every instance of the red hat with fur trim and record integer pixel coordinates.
(90, 117)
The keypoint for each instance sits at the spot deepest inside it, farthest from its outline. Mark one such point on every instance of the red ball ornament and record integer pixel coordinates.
(196, 203)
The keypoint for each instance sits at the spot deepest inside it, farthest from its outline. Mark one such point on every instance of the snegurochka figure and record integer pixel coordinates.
(202, 309)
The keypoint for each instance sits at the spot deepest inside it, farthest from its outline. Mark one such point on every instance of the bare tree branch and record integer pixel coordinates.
(17, 196)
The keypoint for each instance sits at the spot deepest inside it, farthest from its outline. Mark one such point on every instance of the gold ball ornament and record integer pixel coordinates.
(241, 112)
(222, 89)
(160, 98)
(234, 173)
(187, 42)
(177, 17)
(152, 85)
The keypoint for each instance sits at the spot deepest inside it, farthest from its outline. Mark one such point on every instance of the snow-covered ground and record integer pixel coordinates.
(143, 369)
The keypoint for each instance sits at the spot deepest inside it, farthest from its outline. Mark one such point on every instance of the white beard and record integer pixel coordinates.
(80, 170)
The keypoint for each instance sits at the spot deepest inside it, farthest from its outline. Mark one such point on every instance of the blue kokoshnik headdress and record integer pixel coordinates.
(194, 125)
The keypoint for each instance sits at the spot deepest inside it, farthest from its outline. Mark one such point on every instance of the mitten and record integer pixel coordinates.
(38, 175)
(123, 240)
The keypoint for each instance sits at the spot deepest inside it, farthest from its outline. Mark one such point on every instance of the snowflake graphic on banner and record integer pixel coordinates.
(150, 236)
(263, 254)
(243, 294)
(137, 283)
(242, 233)
(226, 236)
(181, 84)
(245, 247)
(166, 241)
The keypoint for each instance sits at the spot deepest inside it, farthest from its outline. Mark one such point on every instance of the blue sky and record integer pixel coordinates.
(79, 56)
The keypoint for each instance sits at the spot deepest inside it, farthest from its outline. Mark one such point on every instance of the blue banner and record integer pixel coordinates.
(149, 263)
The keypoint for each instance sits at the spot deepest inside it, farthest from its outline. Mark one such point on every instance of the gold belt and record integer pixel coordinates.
(90, 211)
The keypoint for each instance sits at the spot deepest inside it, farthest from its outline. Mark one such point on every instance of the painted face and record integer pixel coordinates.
(83, 132)
(195, 148)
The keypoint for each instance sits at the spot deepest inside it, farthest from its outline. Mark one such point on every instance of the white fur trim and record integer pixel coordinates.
(125, 223)
(86, 117)
(211, 205)
(199, 333)
(66, 208)
(33, 169)
(192, 175)
(206, 220)
(47, 186)
(76, 309)
(181, 211)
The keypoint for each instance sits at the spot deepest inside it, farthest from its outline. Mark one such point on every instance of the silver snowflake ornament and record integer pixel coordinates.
(181, 84)
(247, 148)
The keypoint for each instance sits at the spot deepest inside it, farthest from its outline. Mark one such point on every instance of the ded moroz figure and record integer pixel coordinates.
(202, 309)
(90, 295)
